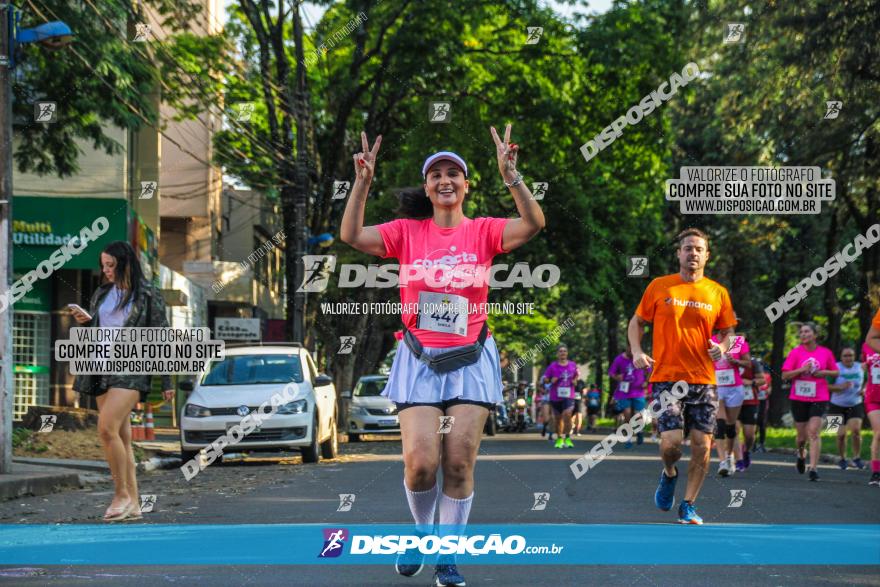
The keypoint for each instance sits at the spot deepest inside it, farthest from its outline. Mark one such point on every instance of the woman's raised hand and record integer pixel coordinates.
(506, 153)
(365, 161)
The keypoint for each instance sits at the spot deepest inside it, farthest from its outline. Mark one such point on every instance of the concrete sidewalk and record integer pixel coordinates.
(31, 479)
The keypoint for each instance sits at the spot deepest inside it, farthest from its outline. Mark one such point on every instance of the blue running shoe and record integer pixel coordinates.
(664, 497)
(628, 444)
(687, 514)
(410, 562)
(842, 464)
(640, 438)
(858, 463)
(448, 576)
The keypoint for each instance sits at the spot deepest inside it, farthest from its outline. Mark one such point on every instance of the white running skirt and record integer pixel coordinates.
(411, 381)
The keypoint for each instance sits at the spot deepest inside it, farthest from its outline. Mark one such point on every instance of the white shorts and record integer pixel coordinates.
(411, 381)
(731, 395)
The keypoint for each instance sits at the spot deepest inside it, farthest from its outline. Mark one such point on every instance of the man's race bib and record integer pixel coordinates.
(875, 374)
(805, 388)
(725, 377)
(442, 312)
(750, 394)
(623, 387)
(563, 392)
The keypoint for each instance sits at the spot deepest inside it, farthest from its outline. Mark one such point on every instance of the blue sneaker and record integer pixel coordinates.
(664, 497)
(858, 463)
(628, 444)
(410, 562)
(640, 439)
(842, 464)
(687, 514)
(448, 576)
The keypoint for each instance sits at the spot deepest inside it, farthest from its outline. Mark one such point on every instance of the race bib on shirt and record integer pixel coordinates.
(623, 387)
(805, 388)
(442, 312)
(750, 395)
(563, 392)
(875, 374)
(725, 377)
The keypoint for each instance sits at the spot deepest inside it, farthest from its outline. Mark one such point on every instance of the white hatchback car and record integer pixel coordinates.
(247, 377)
(369, 412)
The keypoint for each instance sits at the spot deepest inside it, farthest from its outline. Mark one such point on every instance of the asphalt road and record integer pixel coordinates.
(510, 470)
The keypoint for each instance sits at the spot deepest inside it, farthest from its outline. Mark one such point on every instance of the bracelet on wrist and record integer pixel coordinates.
(518, 180)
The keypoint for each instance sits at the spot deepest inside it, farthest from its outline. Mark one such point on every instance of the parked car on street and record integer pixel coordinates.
(369, 412)
(248, 376)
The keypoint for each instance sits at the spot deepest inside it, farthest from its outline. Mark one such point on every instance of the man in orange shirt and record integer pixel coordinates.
(684, 308)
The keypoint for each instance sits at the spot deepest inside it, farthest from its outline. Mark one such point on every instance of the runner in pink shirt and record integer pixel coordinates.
(731, 394)
(871, 360)
(444, 258)
(807, 366)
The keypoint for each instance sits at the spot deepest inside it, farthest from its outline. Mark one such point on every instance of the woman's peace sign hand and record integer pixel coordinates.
(506, 153)
(365, 161)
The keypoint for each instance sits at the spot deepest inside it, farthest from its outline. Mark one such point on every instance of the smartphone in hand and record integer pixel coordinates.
(80, 309)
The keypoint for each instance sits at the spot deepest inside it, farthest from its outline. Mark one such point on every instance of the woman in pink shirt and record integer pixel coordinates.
(444, 261)
(871, 360)
(807, 366)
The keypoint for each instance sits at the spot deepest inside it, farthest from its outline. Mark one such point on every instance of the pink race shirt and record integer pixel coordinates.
(442, 268)
(807, 388)
(872, 361)
(724, 370)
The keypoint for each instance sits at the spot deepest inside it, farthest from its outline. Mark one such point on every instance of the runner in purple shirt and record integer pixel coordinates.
(562, 375)
(629, 389)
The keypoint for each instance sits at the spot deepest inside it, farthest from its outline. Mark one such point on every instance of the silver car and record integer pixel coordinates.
(368, 411)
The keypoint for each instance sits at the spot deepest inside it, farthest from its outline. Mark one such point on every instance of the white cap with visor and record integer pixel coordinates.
(444, 156)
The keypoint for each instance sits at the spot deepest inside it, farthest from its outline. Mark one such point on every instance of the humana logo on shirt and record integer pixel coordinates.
(689, 304)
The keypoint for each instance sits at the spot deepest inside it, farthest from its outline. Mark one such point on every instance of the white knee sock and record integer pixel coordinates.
(422, 504)
(454, 513)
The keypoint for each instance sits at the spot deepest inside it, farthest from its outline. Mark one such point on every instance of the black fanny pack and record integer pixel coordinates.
(450, 360)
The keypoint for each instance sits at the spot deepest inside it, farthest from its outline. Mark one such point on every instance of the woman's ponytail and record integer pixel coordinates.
(414, 203)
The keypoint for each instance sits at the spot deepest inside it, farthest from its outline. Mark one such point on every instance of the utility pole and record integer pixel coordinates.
(7, 391)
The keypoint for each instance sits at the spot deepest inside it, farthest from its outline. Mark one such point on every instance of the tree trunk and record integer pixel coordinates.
(832, 307)
(778, 397)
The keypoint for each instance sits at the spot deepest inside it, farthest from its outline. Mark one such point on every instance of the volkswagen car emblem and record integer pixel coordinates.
(243, 411)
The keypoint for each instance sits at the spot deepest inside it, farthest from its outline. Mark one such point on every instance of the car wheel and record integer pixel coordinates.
(310, 453)
(330, 447)
(354, 437)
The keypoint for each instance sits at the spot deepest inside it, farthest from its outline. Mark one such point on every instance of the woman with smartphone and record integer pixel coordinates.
(125, 299)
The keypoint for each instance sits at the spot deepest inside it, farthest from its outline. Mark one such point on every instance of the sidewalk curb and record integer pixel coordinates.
(18, 484)
(81, 465)
(151, 464)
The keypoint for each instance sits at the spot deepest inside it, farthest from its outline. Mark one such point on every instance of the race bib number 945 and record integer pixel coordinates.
(725, 377)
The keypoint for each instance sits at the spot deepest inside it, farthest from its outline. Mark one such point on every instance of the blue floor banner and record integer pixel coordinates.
(498, 544)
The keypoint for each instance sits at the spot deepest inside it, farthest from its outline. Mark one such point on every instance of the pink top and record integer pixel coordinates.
(723, 369)
(435, 261)
(807, 388)
(872, 361)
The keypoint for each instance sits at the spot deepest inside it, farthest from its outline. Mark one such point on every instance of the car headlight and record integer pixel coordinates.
(298, 407)
(358, 411)
(195, 411)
